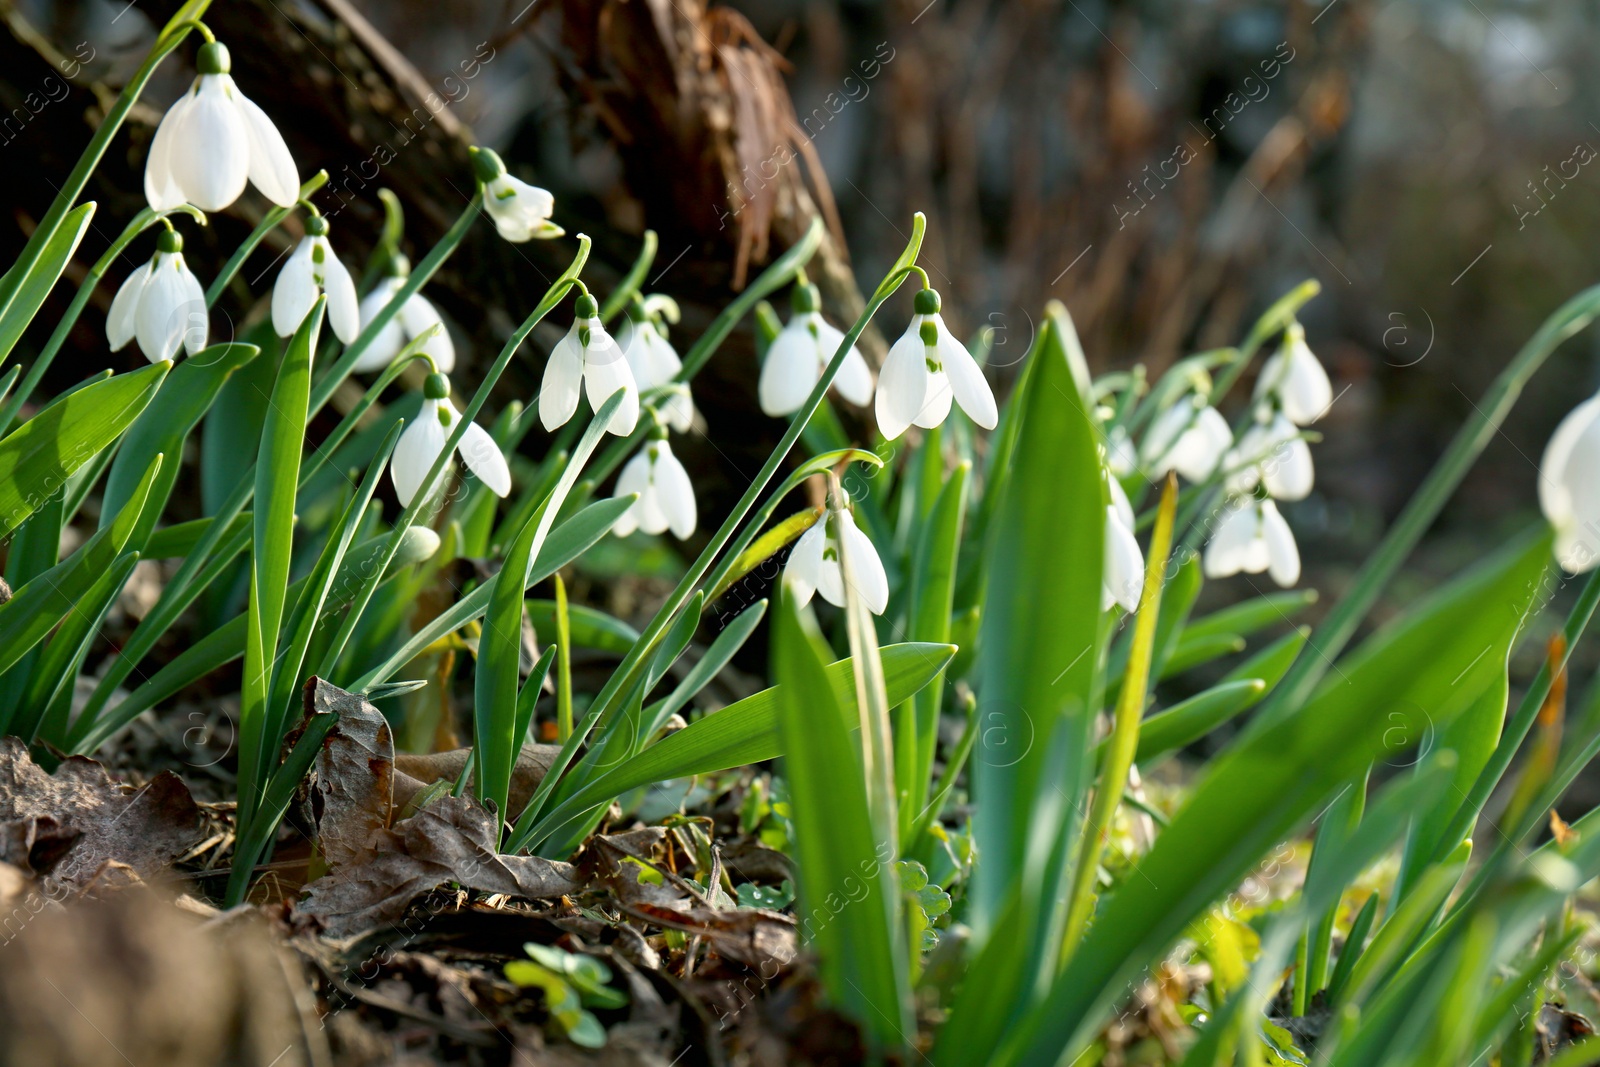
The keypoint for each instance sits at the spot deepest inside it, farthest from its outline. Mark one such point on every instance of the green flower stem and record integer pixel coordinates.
(632, 668)
(632, 281)
(1124, 740)
(171, 37)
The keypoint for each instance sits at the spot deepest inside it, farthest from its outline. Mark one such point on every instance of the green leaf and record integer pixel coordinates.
(848, 892)
(1252, 615)
(38, 457)
(722, 649)
(591, 628)
(35, 609)
(42, 276)
(276, 479)
(745, 731)
(1437, 657)
(178, 540)
(164, 426)
(1190, 720)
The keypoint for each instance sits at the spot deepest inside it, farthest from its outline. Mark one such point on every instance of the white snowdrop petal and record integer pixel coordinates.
(936, 402)
(270, 166)
(854, 380)
(211, 153)
(633, 481)
(652, 518)
(805, 563)
(1119, 502)
(1234, 533)
(162, 317)
(830, 576)
(789, 373)
(484, 458)
(676, 493)
(1555, 496)
(416, 315)
(903, 383)
(519, 210)
(196, 317)
(1162, 438)
(295, 290)
(563, 382)
(661, 360)
(1123, 576)
(1306, 392)
(1289, 473)
(1569, 489)
(120, 323)
(679, 411)
(606, 372)
(344, 312)
(1120, 455)
(414, 454)
(967, 383)
(866, 569)
(160, 188)
(1283, 556)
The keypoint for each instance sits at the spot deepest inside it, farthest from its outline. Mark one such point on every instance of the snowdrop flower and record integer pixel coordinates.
(1297, 379)
(814, 565)
(161, 304)
(413, 319)
(924, 370)
(1569, 487)
(312, 270)
(655, 363)
(213, 140)
(1271, 453)
(1122, 572)
(1121, 457)
(521, 212)
(1253, 537)
(422, 441)
(587, 357)
(801, 352)
(1189, 438)
(666, 496)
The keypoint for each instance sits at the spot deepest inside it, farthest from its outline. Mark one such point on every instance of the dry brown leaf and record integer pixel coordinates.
(419, 771)
(355, 776)
(78, 826)
(453, 839)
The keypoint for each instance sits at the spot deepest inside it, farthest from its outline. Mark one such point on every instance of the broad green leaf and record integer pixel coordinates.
(847, 890)
(35, 609)
(178, 540)
(1252, 615)
(1192, 652)
(35, 286)
(38, 457)
(591, 628)
(165, 424)
(1190, 720)
(495, 680)
(722, 649)
(1426, 665)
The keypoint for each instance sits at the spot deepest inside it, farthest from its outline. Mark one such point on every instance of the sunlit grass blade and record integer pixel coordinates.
(33, 287)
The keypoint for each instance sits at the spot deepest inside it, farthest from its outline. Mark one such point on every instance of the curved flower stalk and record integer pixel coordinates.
(521, 212)
(1122, 571)
(423, 440)
(588, 359)
(665, 494)
(1294, 377)
(801, 352)
(814, 565)
(1273, 453)
(1569, 487)
(1190, 437)
(212, 141)
(416, 315)
(925, 370)
(655, 364)
(161, 304)
(312, 270)
(1252, 537)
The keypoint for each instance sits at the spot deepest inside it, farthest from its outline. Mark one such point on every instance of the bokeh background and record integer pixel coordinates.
(1164, 169)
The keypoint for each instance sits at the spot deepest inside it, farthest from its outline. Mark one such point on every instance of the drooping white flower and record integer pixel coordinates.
(590, 360)
(814, 566)
(521, 212)
(925, 370)
(214, 139)
(1190, 438)
(666, 496)
(1122, 573)
(1295, 377)
(655, 363)
(1251, 536)
(161, 304)
(421, 442)
(801, 352)
(1569, 487)
(1271, 452)
(312, 270)
(1122, 459)
(413, 319)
